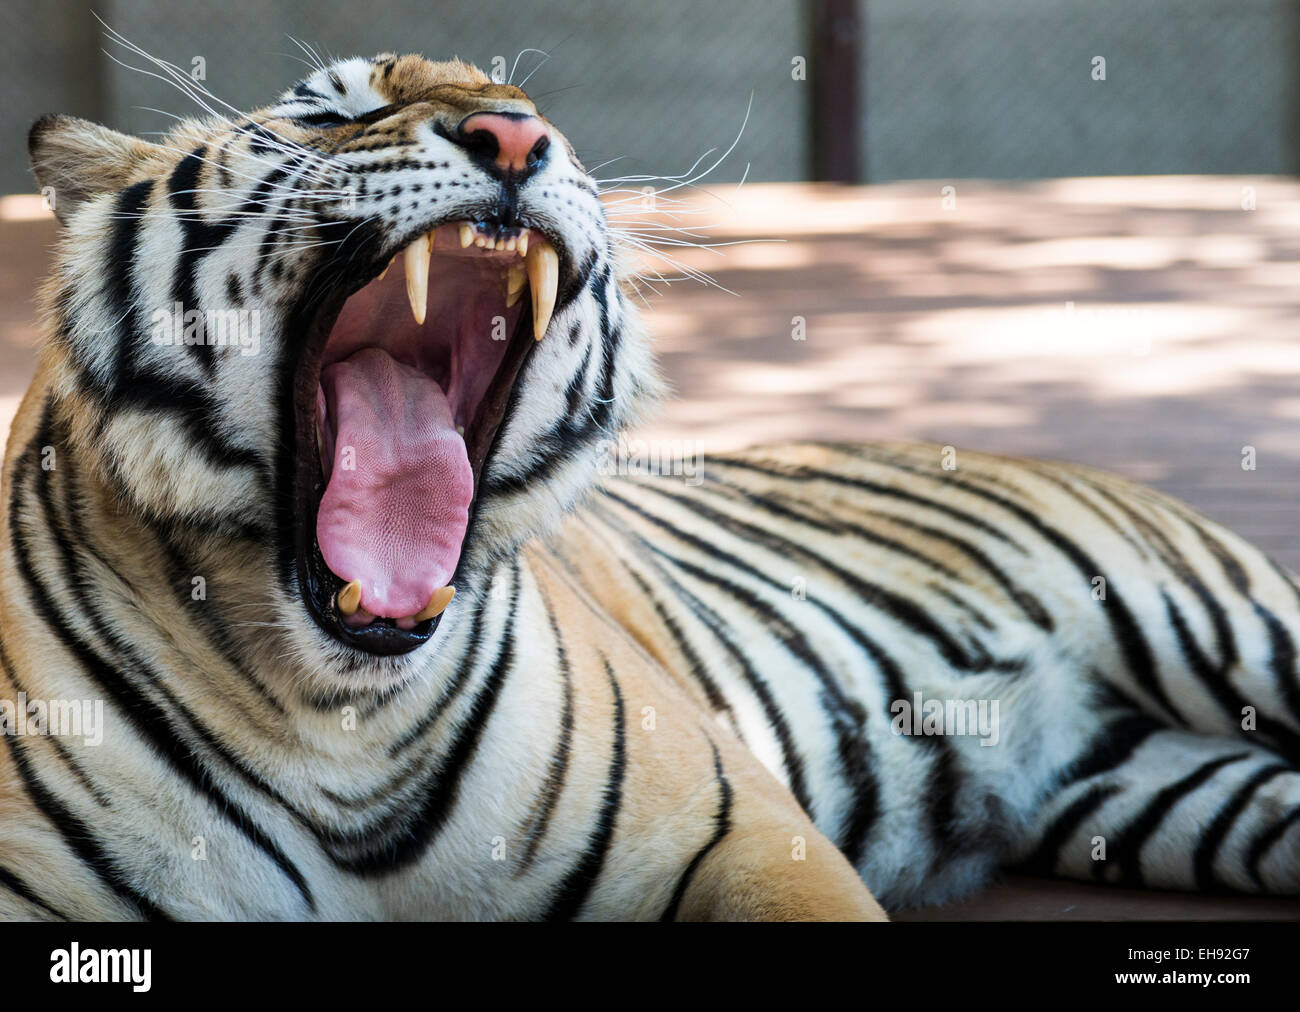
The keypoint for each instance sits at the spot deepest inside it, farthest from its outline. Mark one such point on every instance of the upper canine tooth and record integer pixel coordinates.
(417, 275)
(466, 234)
(349, 598)
(543, 278)
(437, 604)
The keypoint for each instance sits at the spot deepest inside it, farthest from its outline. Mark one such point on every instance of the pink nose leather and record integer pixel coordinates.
(516, 137)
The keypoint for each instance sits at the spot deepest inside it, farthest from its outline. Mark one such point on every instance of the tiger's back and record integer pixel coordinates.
(1117, 665)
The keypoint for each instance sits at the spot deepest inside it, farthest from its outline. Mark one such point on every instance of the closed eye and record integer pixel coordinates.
(331, 119)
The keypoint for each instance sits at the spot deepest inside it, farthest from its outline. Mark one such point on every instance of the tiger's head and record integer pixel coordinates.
(378, 330)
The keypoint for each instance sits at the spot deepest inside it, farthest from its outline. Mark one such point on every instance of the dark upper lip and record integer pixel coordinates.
(300, 483)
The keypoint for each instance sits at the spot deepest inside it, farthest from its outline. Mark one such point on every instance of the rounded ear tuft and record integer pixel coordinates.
(74, 160)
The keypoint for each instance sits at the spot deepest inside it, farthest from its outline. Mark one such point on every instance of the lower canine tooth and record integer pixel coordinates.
(350, 599)
(543, 278)
(437, 604)
(516, 278)
(417, 275)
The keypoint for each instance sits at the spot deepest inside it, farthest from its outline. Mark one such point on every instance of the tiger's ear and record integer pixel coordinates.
(74, 159)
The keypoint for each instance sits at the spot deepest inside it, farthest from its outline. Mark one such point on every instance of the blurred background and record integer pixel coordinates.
(1064, 228)
(891, 89)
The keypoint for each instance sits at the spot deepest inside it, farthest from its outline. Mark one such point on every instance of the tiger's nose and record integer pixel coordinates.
(515, 142)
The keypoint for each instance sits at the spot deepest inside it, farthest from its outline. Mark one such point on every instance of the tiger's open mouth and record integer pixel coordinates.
(399, 400)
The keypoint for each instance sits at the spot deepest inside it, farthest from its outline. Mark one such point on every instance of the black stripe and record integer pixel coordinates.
(146, 716)
(847, 716)
(1261, 844)
(1216, 679)
(1112, 746)
(441, 792)
(1129, 841)
(694, 665)
(180, 571)
(1207, 849)
(464, 673)
(790, 756)
(1124, 627)
(79, 837)
(818, 517)
(902, 609)
(1028, 603)
(572, 893)
(16, 885)
(200, 238)
(195, 408)
(121, 256)
(1043, 472)
(1281, 645)
(321, 119)
(1047, 854)
(721, 827)
(839, 527)
(7, 668)
(801, 473)
(559, 764)
(941, 800)
(1282, 658)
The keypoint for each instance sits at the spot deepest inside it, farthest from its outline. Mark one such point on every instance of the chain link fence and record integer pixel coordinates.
(1007, 89)
(952, 88)
(647, 88)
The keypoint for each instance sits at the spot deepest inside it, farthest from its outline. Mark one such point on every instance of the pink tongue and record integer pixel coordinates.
(397, 500)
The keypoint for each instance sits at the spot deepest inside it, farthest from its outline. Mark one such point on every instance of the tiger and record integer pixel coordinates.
(310, 502)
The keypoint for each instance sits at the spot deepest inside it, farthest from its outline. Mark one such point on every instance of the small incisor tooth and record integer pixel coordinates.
(417, 275)
(543, 278)
(522, 245)
(350, 599)
(437, 604)
(466, 234)
(387, 267)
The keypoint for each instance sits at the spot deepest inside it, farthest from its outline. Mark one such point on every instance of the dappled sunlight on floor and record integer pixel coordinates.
(1146, 325)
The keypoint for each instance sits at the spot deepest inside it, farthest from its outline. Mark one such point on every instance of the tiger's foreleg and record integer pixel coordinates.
(1171, 809)
(772, 864)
